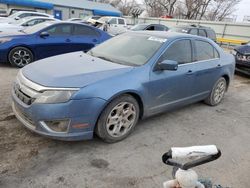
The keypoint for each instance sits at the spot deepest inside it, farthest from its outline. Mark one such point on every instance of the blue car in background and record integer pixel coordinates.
(48, 39)
(131, 76)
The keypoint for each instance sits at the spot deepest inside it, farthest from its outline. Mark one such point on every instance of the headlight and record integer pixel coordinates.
(54, 96)
(3, 40)
(239, 57)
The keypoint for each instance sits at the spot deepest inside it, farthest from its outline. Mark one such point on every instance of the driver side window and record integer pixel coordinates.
(180, 51)
(60, 30)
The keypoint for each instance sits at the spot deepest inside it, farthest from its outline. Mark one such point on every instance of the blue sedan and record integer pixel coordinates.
(48, 39)
(107, 90)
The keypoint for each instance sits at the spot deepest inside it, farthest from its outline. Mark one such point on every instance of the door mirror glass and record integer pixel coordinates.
(167, 65)
(44, 34)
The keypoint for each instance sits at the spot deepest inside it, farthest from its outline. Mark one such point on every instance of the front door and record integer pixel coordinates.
(172, 88)
(58, 41)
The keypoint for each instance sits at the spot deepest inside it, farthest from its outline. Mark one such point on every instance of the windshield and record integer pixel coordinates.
(138, 27)
(128, 49)
(36, 28)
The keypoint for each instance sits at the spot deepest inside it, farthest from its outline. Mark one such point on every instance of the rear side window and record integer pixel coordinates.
(83, 30)
(205, 51)
(202, 33)
(211, 34)
(121, 22)
(160, 28)
(179, 51)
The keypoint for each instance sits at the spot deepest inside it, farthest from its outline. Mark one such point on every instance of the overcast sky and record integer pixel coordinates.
(243, 9)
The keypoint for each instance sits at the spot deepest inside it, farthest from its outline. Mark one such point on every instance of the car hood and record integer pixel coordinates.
(11, 33)
(5, 20)
(244, 49)
(72, 70)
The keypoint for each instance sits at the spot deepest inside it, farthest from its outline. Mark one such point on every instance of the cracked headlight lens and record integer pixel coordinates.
(54, 96)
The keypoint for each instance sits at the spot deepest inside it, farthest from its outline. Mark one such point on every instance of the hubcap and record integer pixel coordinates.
(219, 92)
(121, 119)
(21, 57)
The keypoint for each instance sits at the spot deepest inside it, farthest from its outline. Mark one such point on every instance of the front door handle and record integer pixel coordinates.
(94, 40)
(219, 66)
(68, 40)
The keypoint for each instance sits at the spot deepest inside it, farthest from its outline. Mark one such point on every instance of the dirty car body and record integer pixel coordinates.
(62, 97)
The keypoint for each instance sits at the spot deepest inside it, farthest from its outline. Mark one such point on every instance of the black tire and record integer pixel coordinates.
(102, 129)
(212, 98)
(20, 56)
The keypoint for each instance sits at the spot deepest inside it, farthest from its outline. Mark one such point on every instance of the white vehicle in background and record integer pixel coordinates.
(113, 25)
(23, 14)
(23, 23)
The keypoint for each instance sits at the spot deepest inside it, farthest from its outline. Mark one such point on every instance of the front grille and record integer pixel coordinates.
(22, 96)
(24, 116)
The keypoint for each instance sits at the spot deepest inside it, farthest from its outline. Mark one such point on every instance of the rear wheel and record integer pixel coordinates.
(118, 119)
(20, 56)
(218, 92)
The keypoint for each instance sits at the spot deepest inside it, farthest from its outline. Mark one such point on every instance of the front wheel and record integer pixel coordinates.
(20, 56)
(217, 93)
(118, 119)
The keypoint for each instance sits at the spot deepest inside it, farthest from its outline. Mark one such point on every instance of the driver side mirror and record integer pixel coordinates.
(44, 34)
(167, 65)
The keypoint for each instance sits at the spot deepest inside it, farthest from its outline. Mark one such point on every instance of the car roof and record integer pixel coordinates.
(193, 26)
(168, 34)
(146, 24)
(37, 17)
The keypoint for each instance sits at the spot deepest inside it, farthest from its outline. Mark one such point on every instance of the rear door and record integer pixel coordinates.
(84, 38)
(206, 67)
(58, 41)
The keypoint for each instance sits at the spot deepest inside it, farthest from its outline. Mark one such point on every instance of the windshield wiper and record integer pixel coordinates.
(104, 58)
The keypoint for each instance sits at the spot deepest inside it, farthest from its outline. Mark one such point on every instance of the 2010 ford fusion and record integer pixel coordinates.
(131, 76)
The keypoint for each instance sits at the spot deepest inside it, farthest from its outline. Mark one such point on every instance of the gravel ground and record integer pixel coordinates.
(28, 160)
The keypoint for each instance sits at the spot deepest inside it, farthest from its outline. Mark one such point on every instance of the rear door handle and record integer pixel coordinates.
(94, 40)
(190, 72)
(68, 40)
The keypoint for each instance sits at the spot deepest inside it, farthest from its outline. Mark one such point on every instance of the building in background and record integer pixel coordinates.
(61, 9)
(231, 18)
(246, 19)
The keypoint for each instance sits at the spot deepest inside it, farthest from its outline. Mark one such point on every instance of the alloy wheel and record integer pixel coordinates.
(121, 119)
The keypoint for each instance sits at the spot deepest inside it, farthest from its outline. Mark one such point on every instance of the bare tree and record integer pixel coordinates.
(158, 8)
(192, 9)
(220, 9)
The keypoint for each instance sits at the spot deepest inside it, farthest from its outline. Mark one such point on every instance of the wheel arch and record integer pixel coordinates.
(227, 78)
(132, 93)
